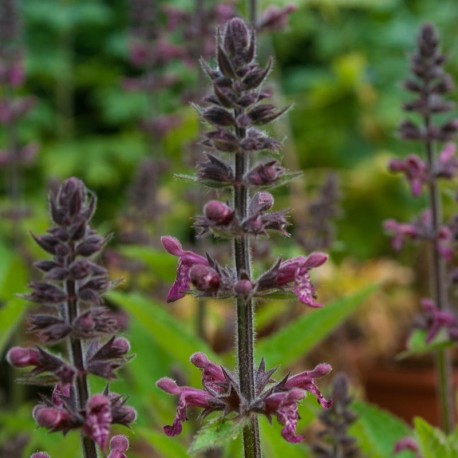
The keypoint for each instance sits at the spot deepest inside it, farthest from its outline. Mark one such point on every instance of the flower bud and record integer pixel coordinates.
(204, 278)
(218, 212)
(243, 288)
(23, 357)
(55, 419)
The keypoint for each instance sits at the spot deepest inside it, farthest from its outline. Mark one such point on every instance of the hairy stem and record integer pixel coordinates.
(245, 309)
(77, 355)
(439, 290)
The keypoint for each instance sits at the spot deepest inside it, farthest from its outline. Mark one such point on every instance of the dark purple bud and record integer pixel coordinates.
(237, 42)
(71, 196)
(58, 273)
(218, 116)
(448, 130)
(256, 76)
(114, 348)
(45, 266)
(265, 174)
(223, 140)
(46, 242)
(215, 169)
(264, 114)
(410, 131)
(49, 328)
(95, 321)
(256, 140)
(45, 293)
(90, 245)
(218, 212)
(224, 64)
(204, 278)
(122, 414)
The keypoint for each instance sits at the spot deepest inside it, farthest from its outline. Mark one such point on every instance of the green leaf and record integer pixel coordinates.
(432, 441)
(160, 263)
(377, 431)
(417, 344)
(293, 341)
(164, 445)
(10, 316)
(216, 433)
(163, 328)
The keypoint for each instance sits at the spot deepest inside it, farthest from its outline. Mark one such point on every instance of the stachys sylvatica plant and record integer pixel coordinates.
(71, 311)
(236, 111)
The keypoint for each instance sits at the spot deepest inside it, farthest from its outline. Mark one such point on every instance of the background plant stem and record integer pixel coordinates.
(439, 290)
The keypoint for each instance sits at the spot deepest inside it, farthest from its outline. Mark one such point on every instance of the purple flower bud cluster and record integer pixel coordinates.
(222, 393)
(235, 111)
(407, 443)
(334, 438)
(70, 296)
(430, 84)
(12, 107)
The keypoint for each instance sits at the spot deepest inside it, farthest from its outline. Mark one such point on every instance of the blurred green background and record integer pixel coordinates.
(340, 62)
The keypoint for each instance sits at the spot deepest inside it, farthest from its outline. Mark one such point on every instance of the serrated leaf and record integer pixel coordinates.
(417, 344)
(377, 431)
(216, 433)
(293, 341)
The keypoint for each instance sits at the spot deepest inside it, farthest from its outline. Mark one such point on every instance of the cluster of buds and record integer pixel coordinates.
(12, 107)
(221, 392)
(70, 296)
(429, 83)
(335, 440)
(220, 219)
(235, 110)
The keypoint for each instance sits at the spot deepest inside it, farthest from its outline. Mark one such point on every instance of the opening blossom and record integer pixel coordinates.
(221, 392)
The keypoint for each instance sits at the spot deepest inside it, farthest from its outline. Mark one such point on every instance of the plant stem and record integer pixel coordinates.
(77, 355)
(439, 275)
(245, 308)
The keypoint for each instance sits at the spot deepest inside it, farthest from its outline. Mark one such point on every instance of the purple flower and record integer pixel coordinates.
(187, 259)
(415, 171)
(98, 420)
(188, 397)
(284, 405)
(305, 381)
(294, 271)
(221, 392)
(435, 320)
(400, 232)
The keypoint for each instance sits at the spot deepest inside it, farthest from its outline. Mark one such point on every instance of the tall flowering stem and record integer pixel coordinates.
(235, 110)
(71, 310)
(429, 84)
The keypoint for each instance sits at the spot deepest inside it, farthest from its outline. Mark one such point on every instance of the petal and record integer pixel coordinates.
(315, 260)
(172, 245)
(304, 289)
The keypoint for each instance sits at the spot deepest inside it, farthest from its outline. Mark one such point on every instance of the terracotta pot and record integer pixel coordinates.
(405, 390)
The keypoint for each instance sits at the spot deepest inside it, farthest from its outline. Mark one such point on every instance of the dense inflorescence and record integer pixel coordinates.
(430, 84)
(71, 309)
(335, 440)
(237, 110)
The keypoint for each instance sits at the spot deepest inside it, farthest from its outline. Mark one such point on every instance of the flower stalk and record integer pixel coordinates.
(429, 84)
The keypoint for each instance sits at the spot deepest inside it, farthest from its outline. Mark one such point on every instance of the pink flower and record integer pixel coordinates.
(294, 271)
(118, 447)
(435, 320)
(98, 420)
(186, 260)
(415, 171)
